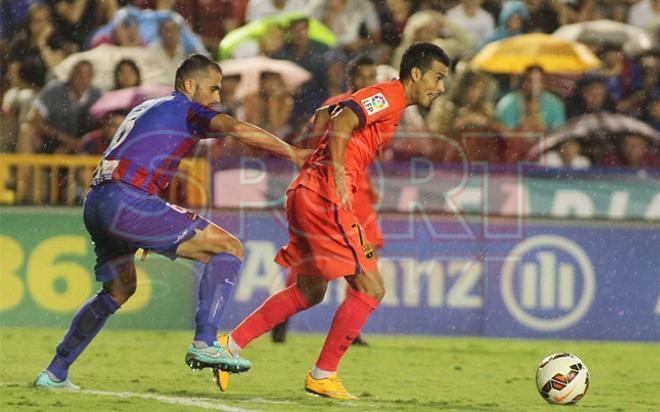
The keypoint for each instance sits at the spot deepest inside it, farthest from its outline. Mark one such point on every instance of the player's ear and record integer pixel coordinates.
(189, 85)
(415, 74)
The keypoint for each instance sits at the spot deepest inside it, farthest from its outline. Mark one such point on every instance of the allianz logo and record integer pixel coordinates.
(540, 286)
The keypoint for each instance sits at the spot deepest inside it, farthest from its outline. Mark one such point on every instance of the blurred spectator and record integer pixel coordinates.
(591, 95)
(649, 88)
(126, 74)
(618, 12)
(624, 76)
(24, 87)
(96, 141)
(58, 118)
(354, 23)
(126, 33)
(335, 82)
(271, 107)
(272, 41)
(12, 15)
(544, 15)
(645, 14)
(469, 15)
(652, 113)
(167, 49)
(431, 26)
(308, 53)
(467, 114)
(229, 104)
(212, 19)
(531, 107)
(79, 18)
(633, 151)
(267, 45)
(39, 42)
(568, 155)
(511, 22)
(393, 15)
(60, 114)
(470, 104)
(637, 153)
(257, 9)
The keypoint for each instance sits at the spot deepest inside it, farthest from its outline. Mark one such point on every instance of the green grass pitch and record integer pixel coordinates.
(144, 370)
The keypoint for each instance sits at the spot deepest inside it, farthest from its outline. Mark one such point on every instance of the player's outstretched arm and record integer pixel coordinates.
(257, 137)
(340, 130)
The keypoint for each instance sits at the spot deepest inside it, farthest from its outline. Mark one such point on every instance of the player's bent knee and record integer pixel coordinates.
(121, 292)
(314, 297)
(371, 284)
(223, 242)
(313, 292)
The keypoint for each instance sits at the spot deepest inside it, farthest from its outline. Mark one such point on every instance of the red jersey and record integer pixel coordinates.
(378, 108)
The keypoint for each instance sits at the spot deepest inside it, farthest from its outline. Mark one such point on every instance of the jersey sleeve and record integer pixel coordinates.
(199, 118)
(376, 103)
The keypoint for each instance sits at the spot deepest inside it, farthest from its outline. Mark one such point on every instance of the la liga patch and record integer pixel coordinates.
(375, 103)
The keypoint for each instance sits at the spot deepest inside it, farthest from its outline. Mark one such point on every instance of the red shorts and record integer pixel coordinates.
(324, 239)
(363, 208)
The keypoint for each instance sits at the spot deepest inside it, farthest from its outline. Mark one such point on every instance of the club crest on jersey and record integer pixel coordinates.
(375, 103)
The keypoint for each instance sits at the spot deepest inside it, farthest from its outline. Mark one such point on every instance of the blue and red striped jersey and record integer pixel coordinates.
(150, 143)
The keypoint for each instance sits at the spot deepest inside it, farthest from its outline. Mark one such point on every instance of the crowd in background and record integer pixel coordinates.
(47, 98)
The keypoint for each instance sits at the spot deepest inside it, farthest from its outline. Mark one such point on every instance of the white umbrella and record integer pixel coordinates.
(251, 68)
(596, 129)
(104, 59)
(631, 38)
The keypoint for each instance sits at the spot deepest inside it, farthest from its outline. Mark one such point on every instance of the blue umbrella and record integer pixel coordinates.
(148, 21)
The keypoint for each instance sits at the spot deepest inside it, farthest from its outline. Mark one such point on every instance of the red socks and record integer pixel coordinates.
(346, 325)
(275, 310)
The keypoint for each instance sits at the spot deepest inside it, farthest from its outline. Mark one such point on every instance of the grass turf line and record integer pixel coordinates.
(394, 373)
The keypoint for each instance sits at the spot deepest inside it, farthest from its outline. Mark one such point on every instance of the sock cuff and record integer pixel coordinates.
(299, 297)
(370, 302)
(226, 258)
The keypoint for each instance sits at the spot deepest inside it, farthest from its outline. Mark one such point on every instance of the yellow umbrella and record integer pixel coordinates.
(554, 55)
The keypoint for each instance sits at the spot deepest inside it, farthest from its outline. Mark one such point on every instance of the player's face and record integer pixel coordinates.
(207, 89)
(431, 84)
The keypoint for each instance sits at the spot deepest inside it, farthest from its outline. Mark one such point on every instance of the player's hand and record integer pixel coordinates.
(339, 175)
(301, 156)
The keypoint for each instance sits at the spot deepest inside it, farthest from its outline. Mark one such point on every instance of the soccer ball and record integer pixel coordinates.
(562, 378)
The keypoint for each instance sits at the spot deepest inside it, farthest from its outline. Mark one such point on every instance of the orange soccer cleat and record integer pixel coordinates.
(220, 377)
(330, 387)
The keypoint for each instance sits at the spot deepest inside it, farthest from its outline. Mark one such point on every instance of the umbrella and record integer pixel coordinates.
(251, 68)
(515, 54)
(258, 28)
(148, 21)
(596, 129)
(126, 99)
(632, 39)
(104, 59)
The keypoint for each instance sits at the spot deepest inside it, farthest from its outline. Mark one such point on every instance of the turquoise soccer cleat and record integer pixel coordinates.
(46, 380)
(200, 356)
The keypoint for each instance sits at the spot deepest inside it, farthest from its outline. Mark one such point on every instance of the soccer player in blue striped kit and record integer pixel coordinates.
(122, 213)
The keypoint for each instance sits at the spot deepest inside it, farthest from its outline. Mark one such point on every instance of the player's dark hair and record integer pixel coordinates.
(421, 55)
(354, 65)
(193, 66)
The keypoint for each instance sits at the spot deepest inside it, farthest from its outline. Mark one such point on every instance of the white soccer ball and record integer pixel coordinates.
(562, 378)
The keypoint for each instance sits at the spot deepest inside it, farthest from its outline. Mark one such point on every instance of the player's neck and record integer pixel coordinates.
(408, 92)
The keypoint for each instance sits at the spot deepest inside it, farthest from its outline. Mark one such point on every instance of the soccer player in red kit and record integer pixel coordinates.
(326, 240)
(361, 73)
